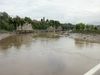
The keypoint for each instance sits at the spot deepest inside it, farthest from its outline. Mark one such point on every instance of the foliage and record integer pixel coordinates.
(7, 23)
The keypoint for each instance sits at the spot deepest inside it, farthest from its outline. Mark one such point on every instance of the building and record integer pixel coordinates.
(59, 28)
(24, 28)
(51, 29)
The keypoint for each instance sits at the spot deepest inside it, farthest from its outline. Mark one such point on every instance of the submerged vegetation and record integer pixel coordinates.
(8, 23)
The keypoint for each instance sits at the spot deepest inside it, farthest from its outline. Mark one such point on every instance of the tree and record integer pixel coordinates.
(28, 20)
(80, 27)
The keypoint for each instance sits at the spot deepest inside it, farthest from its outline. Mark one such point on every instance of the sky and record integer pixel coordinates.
(73, 11)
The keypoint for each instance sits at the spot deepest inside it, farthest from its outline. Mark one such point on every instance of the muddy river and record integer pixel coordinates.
(44, 54)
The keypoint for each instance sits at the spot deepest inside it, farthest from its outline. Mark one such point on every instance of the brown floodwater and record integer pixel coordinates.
(47, 54)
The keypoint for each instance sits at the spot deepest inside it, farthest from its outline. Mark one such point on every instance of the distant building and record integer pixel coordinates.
(51, 29)
(25, 28)
(98, 27)
(43, 20)
(59, 28)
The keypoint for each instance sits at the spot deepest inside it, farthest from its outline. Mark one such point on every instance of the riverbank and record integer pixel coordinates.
(35, 34)
(86, 37)
(78, 36)
(4, 35)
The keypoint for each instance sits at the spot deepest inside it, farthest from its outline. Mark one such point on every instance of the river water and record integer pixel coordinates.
(47, 55)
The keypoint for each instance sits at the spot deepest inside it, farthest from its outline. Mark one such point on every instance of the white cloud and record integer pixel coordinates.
(64, 10)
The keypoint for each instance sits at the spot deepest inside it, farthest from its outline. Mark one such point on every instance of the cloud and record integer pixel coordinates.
(63, 10)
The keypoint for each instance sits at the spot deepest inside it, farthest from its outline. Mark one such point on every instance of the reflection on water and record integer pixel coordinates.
(22, 39)
(46, 54)
(80, 43)
(16, 40)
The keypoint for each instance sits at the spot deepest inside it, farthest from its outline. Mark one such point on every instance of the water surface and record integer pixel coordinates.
(47, 55)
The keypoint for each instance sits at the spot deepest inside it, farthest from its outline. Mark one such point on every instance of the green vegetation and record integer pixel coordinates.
(8, 23)
(85, 28)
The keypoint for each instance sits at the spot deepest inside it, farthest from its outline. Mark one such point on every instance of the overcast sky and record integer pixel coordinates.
(73, 11)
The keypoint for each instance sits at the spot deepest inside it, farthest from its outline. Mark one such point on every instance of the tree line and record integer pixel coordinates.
(8, 23)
